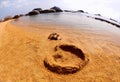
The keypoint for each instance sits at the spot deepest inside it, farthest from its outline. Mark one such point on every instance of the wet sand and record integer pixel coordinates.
(24, 50)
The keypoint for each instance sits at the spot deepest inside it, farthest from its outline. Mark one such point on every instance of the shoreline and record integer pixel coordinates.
(23, 51)
(55, 9)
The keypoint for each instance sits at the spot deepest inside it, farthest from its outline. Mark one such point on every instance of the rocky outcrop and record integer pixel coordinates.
(16, 16)
(38, 9)
(68, 11)
(113, 20)
(107, 21)
(80, 11)
(98, 14)
(57, 9)
(48, 11)
(33, 12)
(8, 18)
(21, 15)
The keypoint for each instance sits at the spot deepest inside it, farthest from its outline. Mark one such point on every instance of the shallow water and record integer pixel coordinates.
(77, 21)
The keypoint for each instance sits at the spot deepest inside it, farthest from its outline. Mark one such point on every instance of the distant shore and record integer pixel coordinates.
(55, 9)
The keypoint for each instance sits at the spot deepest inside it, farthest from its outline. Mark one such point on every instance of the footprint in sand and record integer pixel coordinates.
(67, 59)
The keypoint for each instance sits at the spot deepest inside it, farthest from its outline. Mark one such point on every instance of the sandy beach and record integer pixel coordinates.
(24, 51)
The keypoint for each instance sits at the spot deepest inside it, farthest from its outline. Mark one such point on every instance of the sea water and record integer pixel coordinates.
(79, 21)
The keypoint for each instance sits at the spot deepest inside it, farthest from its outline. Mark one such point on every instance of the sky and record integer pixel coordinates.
(107, 8)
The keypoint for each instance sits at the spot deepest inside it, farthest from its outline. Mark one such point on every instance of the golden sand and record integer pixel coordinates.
(23, 51)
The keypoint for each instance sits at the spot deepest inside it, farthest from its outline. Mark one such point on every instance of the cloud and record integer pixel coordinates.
(13, 3)
(21, 1)
(5, 3)
(108, 8)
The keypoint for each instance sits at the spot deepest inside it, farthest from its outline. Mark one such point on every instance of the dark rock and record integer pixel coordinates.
(8, 18)
(33, 12)
(80, 11)
(57, 9)
(100, 19)
(21, 15)
(48, 11)
(67, 10)
(98, 14)
(104, 20)
(54, 36)
(27, 14)
(16, 16)
(38, 9)
(113, 20)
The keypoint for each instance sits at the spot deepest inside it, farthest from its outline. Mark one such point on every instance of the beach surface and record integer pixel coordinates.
(23, 52)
